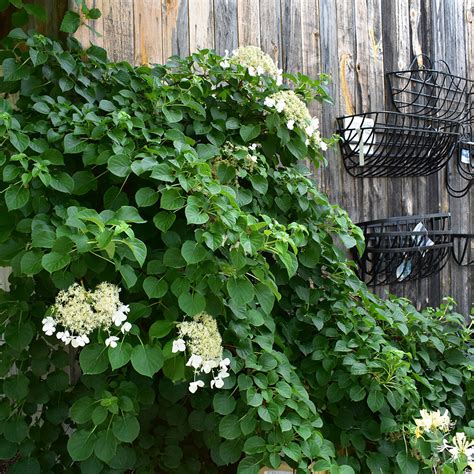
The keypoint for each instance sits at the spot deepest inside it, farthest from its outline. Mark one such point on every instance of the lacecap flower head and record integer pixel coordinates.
(257, 62)
(80, 312)
(201, 338)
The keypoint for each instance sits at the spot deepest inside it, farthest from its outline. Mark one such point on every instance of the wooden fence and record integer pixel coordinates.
(356, 42)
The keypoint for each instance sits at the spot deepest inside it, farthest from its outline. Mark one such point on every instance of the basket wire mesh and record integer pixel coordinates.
(395, 144)
(463, 249)
(401, 249)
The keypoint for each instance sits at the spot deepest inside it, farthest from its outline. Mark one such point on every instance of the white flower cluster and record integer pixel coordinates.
(461, 446)
(202, 339)
(432, 421)
(80, 312)
(296, 113)
(255, 60)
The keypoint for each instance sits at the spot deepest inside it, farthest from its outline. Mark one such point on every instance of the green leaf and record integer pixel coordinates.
(407, 464)
(375, 400)
(146, 197)
(36, 10)
(73, 144)
(93, 359)
(30, 263)
(13, 71)
(171, 199)
(82, 409)
(120, 355)
(16, 387)
(54, 261)
(192, 303)
(105, 446)
(81, 445)
(62, 182)
(119, 165)
(194, 214)
(26, 466)
(161, 328)
(126, 428)
(71, 22)
(16, 197)
(138, 249)
(172, 115)
(224, 403)
(249, 132)
(193, 252)
(164, 220)
(129, 214)
(155, 288)
(147, 360)
(229, 427)
(249, 465)
(128, 274)
(290, 262)
(19, 140)
(240, 290)
(254, 444)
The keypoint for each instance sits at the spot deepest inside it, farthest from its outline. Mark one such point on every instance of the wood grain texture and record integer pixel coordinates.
(92, 31)
(248, 21)
(201, 24)
(175, 27)
(118, 18)
(356, 42)
(270, 29)
(225, 25)
(148, 32)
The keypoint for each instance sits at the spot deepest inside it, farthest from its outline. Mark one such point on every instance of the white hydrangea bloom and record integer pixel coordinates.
(111, 341)
(256, 61)
(290, 125)
(178, 346)
(125, 327)
(80, 312)
(49, 326)
(433, 420)
(202, 338)
(269, 102)
(193, 386)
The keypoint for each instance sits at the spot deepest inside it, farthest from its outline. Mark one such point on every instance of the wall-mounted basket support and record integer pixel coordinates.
(395, 144)
(463, 249)
(432, 91)
(401, 249)
(461, 167)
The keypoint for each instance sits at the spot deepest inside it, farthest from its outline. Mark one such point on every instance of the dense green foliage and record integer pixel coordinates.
(142, 177)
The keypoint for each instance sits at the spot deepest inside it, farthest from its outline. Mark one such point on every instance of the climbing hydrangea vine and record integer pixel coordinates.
(240, 337)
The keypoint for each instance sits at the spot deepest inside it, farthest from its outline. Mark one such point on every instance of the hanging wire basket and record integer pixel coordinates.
(430, 89)
(395, 144)
(463, 249)
(460, 174)
(401, 249)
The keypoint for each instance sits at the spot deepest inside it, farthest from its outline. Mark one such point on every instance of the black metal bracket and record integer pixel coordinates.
(395, 144)
(463, 249)
(401, 249)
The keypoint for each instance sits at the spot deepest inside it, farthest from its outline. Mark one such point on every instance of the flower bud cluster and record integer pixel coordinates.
(201, 338)
(80, 312)
(296, 113)
(256, 61)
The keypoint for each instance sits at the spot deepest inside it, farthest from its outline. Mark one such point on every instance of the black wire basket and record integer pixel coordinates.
(460, 170)
(401, 249)
(463, 249)
(395, 144)
(430, 89)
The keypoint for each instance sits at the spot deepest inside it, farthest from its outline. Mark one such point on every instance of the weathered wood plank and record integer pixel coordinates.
(201, 24)
(270, 29)
(118, 29)
(248, 19)
(226, 25)
(148, 29)
(291, 36)
(175, 27)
